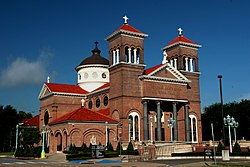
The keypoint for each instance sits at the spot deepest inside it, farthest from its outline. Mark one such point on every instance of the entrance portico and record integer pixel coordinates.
(162, 110)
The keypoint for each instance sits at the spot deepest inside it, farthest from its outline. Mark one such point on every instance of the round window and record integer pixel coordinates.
(94, 75)
(105, 100)
(97, 103)
(104, 75)
(90, 104)
(86, 75)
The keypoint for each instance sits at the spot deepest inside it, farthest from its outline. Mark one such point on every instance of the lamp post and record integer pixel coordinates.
(43, 152)
(106, 127)
(17, 134)
(235, 125)
(228, 121)
(171, 123)
(120, 141)
(222, 114)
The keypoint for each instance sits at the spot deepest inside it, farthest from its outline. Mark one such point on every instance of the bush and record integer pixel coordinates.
(220, 147)
(126, 152)
(110, 154)
(119, 146)
(130, 147)
(237, 148)
(84, 147)
(28, 152)
(82, 155)
(110, 147)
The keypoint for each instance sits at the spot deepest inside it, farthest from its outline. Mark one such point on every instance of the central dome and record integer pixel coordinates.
(96, 58)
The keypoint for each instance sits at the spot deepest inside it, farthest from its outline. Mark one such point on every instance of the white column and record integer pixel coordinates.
(117, 56)
(129, 55)
(186, 64)
(171, 62)
(133, 128)
(114, 57)
(135, 56)
(175, 63)
(106, 129)
(191, 64)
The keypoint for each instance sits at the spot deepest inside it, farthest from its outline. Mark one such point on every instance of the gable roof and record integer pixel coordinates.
(65, 88)
(61, 89)
(181, 40)
(83, 115)
(149, 74)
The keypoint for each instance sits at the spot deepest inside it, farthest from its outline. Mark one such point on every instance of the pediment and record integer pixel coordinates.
(45, 91)
(165, 73)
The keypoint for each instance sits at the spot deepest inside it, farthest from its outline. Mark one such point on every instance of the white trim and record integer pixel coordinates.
(163, 99)
(191, 116)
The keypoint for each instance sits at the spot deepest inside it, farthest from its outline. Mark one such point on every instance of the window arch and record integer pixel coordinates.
(46, 118)
(134, 126)
(193, 128)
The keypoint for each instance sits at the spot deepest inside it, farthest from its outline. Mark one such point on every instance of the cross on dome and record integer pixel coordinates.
(180, 31)
(125, 19)
(96, 43)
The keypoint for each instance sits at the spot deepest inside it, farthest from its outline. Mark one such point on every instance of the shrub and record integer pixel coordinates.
(110, 147)
(28, 152)
(220, 147)
(110, 154)
(130, 147)
(119, 146)
(82, 155)
(84, 147)
(237, 148)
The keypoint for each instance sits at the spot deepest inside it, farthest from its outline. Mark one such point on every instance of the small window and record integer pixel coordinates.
(105, 100)
(90, 104)
(97, 103)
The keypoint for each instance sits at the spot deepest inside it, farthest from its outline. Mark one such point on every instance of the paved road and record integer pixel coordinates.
(60, 162)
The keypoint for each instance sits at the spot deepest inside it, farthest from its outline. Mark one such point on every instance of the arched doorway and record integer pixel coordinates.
(58, 141)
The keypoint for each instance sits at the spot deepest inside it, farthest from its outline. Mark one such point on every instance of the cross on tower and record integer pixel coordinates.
(180, 31)
(125, 19)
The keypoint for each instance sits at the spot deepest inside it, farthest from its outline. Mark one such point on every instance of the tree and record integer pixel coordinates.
(29, 136)
(212, 114)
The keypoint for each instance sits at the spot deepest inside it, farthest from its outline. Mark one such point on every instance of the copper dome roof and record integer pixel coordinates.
(96, 58)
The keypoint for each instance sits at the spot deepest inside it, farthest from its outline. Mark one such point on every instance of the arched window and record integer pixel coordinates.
(134, 126)
(90, 104)
(193, 128)
(138, 56)
(97, 103)
(46, 118)
(105, 100)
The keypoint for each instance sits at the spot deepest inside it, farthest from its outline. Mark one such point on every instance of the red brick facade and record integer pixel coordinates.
(137, 98)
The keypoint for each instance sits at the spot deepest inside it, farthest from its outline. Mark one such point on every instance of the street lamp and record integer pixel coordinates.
(43, 152)
(17, 134)
(171, 123)
(222, 114)
(228, 121)
(235, 125)
(106, 126)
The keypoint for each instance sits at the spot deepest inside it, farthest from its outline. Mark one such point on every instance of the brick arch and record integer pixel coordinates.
(76, 137)
(134, 110)
(98, 133)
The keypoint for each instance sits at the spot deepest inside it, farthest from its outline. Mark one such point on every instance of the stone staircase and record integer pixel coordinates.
(165, 150)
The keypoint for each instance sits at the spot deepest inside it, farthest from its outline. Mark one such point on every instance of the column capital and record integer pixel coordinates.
(144, 101)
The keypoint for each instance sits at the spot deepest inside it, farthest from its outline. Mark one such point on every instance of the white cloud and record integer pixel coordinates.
(24, 72)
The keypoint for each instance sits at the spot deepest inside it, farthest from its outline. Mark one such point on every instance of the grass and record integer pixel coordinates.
(6, 153)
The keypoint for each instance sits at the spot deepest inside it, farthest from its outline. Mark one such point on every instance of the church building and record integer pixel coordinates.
(119, 99)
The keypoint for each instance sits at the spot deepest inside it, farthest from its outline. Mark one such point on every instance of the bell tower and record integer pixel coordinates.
(126, 52)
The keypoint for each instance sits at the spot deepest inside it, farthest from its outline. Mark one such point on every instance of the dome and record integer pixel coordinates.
(96, 58)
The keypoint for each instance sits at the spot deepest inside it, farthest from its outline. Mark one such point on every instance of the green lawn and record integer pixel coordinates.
(6, 153)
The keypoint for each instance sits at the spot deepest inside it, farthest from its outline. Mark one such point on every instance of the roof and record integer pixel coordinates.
(83, 115)
(128, 27)
(148, 71)
(65, 88)
(106, 85)
(181, 40)
(96, 58)
(32, 121)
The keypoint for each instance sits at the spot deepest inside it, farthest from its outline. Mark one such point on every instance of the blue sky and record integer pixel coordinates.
(43, 37)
